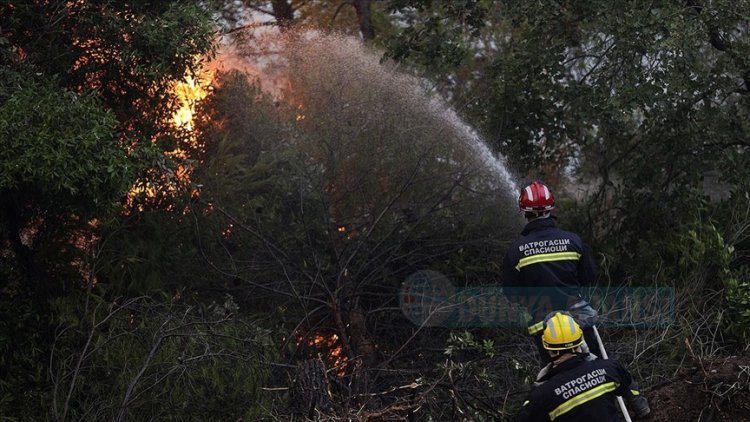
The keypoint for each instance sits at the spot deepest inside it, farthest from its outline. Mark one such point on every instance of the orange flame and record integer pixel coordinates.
(331, 348)
(189, 92)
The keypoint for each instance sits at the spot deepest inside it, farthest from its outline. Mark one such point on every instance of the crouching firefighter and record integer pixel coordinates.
(575, 387)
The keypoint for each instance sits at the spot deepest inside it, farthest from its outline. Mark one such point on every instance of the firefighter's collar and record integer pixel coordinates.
(569, 364)
(539, 223)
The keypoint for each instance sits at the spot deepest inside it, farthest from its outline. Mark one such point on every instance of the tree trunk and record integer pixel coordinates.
(364, 349)
(13, 224)
(363, 356)
(311, 394)
(364, 15)
(284, 14)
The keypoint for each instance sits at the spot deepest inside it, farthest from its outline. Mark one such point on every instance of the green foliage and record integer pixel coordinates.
(84, 93)
(640, 99)
(697, 257)
(149, 252)
(23, 359)
(639, 112)
(59, 145)
(707, 248)
(170, 358)
(436, 35)
(737, 321)
(478, 378)
(465, 339)
(128, 52)
(70, 88)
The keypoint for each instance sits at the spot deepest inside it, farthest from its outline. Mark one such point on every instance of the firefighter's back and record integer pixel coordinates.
(578, 390)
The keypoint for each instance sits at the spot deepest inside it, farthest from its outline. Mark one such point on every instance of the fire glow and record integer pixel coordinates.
(188, 92)
(330, 348)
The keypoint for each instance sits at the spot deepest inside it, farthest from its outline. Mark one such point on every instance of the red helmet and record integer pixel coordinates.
(536, 197)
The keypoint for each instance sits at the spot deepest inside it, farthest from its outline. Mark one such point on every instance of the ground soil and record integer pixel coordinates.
(709, 390)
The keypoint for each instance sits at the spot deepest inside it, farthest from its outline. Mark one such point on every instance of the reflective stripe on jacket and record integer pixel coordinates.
(579, 390)
(554, 260)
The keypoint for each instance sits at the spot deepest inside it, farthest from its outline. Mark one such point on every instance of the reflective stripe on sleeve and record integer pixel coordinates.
(635, 392)
(548, 257)
(582, 398)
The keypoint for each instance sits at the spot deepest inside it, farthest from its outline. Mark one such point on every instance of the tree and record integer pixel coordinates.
(52, 172)
(346, 16)
(86, 103)
(637, 114)
(86, 109)
(330, 197)
(633, 103)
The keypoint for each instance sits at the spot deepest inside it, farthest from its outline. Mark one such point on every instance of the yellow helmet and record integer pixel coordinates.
(561, 332)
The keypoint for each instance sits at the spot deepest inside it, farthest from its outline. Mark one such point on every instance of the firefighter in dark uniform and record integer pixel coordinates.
(575, 387)
(549, 265)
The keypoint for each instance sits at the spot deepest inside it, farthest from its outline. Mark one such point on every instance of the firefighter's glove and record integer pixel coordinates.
(640, 407)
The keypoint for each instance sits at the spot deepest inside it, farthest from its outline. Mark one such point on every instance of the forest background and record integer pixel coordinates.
(242, 259)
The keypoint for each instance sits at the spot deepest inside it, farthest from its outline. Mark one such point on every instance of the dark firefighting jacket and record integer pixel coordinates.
(552, 262)
(580, 390)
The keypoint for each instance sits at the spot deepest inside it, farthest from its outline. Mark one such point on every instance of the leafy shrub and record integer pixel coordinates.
(166, 358)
